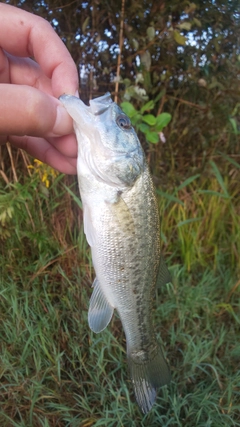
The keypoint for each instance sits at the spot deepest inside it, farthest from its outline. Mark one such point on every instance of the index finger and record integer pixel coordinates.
(32, 36)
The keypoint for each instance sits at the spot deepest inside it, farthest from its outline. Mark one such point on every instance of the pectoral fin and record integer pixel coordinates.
(89, 229)
(100, 311)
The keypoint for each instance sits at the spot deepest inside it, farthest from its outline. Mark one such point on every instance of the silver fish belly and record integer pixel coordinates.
(121, 223)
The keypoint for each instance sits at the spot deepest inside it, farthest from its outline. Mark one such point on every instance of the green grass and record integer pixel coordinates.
(55, 372)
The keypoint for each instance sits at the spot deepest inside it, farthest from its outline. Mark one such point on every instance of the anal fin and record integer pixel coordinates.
(100, 311)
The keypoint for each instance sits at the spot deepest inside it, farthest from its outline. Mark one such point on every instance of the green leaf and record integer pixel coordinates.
(188, 181)
(179, 38)
(151, 33)
(188, 221)
(135, 44)
(190, 8)
(135, 119)
(213, 193)
(197, 22)
(148, 106)
(234, 163)
(234, 125)
(185, 26)
(146, 60)
(162, 121)
(229, 308)
(85, 24)
(152, 137)
(143, 127)
(219, 177)
(169, 197)
(128, 109)
(75, 198)
(126, 82)
(149, 119)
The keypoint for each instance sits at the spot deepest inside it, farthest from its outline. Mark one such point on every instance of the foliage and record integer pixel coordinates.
(56, 372)
(148, 124)
(181, 55)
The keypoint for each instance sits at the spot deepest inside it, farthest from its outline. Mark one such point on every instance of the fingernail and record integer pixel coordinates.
(77, 94)
(63, 124)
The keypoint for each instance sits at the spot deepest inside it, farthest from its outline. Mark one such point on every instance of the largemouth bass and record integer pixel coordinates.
(121, 223)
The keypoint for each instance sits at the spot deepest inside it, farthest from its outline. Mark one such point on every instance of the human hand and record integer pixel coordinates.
(31, 116)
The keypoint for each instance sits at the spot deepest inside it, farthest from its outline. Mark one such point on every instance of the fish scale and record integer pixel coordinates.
(121, 223)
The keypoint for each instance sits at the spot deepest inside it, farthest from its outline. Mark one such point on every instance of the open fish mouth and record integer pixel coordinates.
(97, 106)
(100, 104)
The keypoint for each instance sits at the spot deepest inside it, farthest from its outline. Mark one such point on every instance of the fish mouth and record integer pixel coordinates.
(84, 116)
(100, 104)
(76, 106)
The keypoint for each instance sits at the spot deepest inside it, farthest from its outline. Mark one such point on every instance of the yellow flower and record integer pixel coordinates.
(44, 172)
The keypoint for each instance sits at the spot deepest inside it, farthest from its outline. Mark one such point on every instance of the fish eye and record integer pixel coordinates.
(123, 122)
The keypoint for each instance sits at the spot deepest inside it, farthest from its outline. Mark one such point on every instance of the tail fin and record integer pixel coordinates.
(149, 370)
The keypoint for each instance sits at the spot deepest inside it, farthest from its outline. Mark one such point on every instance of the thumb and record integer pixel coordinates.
(25, 110)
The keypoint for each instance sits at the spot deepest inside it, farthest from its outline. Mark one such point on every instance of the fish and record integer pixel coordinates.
(121, 224)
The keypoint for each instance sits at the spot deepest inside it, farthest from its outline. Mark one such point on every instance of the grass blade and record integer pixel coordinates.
(213, 193)
(188, 181)
(188, 221)
(170, 197)
(75, 198)
(234, 163)
(219, 177)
